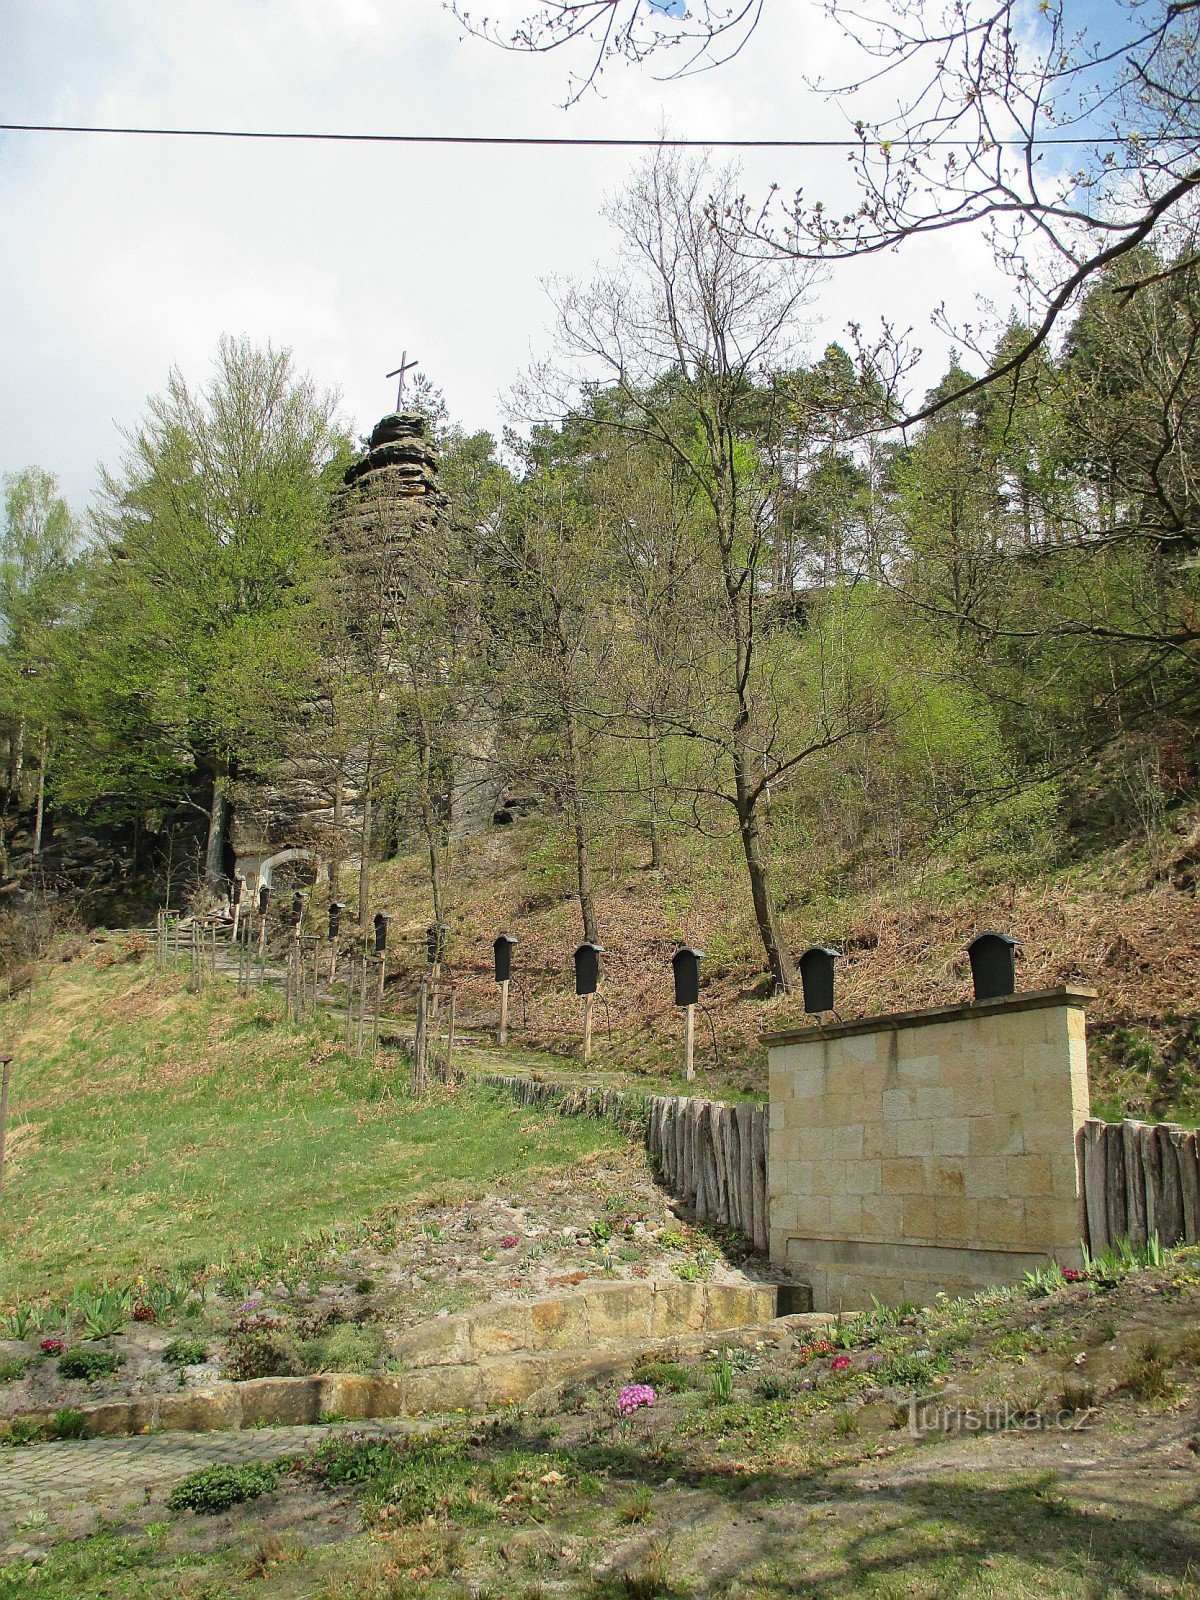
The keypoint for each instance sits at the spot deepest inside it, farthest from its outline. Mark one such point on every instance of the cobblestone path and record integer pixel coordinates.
(44, 1485)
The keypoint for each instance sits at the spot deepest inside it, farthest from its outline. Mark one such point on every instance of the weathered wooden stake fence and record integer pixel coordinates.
(1139, 1179)
(710, 1156)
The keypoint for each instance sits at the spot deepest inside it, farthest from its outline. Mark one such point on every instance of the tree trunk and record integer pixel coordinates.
(40, 816)
(765, 915)
(335, 844)
(583, 866)
(652, 799)
(364, 862)
(429, 822)
(218, 827)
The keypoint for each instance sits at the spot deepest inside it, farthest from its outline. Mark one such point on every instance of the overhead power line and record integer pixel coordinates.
(580, 141)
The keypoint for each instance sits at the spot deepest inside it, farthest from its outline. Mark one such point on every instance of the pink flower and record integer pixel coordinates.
(54, 1347)
(633, 1396)
(839, 1364)
(509, 1242)
(1073, 1275)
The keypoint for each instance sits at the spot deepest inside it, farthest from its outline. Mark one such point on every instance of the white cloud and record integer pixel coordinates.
(120, 257)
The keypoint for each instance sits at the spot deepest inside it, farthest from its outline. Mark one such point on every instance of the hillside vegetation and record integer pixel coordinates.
(158, 1133)
(1109, 921)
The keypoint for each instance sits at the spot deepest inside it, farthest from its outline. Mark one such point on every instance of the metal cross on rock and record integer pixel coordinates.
(405, 366)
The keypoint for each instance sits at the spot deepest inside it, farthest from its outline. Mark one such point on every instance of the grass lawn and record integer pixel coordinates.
(153, 1131)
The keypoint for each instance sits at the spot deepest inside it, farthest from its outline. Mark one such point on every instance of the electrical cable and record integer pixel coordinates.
(535, 140)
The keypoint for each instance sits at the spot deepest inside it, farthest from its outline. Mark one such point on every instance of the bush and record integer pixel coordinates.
(258, 1353)
(351, 1458)
(188, 1350)
(14, 1368)
(344, 1349)
(665, 1375)
(22, 1431)
(214, 1489)
(88, 1364)
(69, 1424)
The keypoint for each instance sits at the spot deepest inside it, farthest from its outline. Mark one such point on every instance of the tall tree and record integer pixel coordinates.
(38, 580)
(677, 334)
(215, 513)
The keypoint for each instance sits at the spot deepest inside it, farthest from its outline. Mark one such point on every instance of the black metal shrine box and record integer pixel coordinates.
(297, 909)
(685, 964)
(502, 949)
(382, 918)
(435, 942)
(336, 907)
(239, 884)
(587, 967)
(993, 965)
(816, 977)
(264, 895)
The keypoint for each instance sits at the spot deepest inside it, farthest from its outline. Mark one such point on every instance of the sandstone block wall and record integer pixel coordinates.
(928, 1150)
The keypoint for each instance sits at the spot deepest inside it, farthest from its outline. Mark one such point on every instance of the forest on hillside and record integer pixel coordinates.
(719, 595)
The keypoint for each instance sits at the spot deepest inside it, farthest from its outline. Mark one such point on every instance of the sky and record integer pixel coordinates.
(120, 257)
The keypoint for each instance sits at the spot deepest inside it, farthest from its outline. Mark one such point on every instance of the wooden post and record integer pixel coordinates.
(419, 1038)
(450, 1039)
(349, 1005)
(262, 935)
(378, 1007)
(433, 993)
(689, 1042)
(5, 1080)
(503, 1012)
(362, 1005)
(588, 1000)
(213, 960)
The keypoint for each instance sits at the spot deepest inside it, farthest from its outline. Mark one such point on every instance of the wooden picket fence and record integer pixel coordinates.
(710, 1156)
(1139, 1179)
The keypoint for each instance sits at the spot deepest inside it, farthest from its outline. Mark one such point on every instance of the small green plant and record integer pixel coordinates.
(346, 1348)
(601, 1231)
(720, 1382)
(101, 1314)
(774, 1386)
(258, 1352)
(187, 1350)
(69, 1424)
(1043, 1281)
(672, 1239)
(1077, 1397)
(910, 1369)
(845, 1423)
(350, 1458)
(364, 1286)
(215, 1489)
(668, 1376)
(637, 1508)
(89, 1365)
(15, 1367)
(21, 1431)
(1148, 1375)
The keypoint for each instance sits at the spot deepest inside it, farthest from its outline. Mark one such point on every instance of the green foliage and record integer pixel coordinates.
(216, 1489)
(663, 1376)
(346, 1348)
(720, 1382)
(13, 1367)
(69, 1424)
(21, 1431)
(259, 1349)
(210, 1133)
(188, 1350)
(88, 1364)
